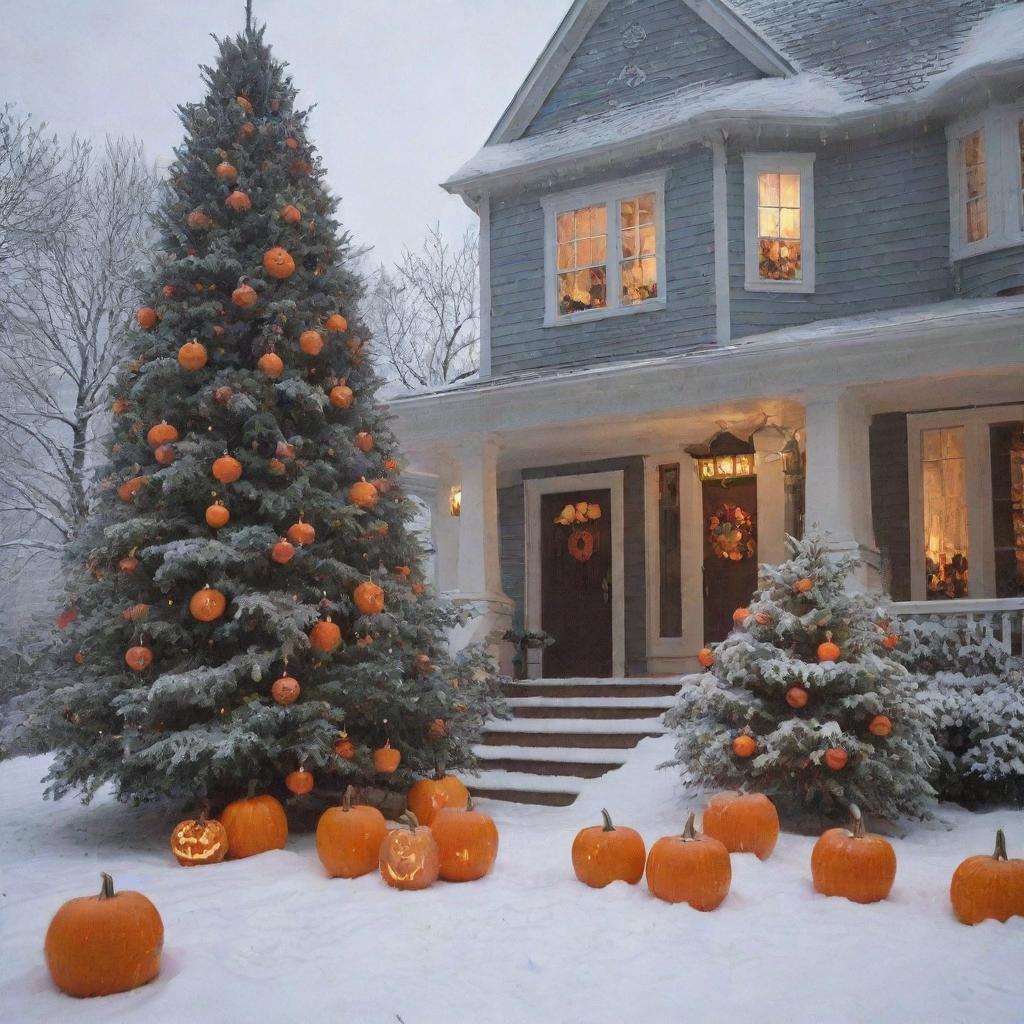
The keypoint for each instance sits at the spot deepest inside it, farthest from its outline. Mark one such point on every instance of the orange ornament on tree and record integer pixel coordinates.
(336, 323)
(165, 454)
(299, 781)
(126, 492)
(243, 102)
(706, 657)
(217, 515)
(192, 355)
(391, 465)
(238, 201)
(364, 441)
(437, 729)
(119, 407)
(311, 343)
(344, 747)
(341, 396)
(802, 586)
(325, 636)
(890, 641)
(271, 365)
(386, 759)
(363, 494)
(880, 725)
(291, 214)
(128, 565)
(278, 263)
(286, 690)
(207, 604)
(836, 758)
(227, 469)
(146, 318)
(740, 615)
(161, 433)
(138, 658)
(199, 220)
(301, 533)
(282, 552)
(744, 745)
(828, 651)
(245, 296)
(248, 130)
(423, 664)
(797, 697)
(369, 598)
(226, 171)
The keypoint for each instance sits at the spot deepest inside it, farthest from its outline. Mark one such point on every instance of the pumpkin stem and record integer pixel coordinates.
(858, 822)
(1000, 853)
(469, 803)
(346, 800)
(410, 821)
(608, 826)
(689, 831)
(439, 767)
(107, 891)
(251, 791)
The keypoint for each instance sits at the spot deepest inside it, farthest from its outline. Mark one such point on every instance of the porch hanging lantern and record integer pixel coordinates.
(723, 457)
(455, 501)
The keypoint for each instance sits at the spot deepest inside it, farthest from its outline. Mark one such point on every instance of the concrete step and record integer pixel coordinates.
(592, 688)
(589, 707)
(609, 733)
(517, 787)
(580, 763)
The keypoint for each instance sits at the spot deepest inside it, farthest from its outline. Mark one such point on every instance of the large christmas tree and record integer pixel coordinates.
(247, 599)
(802, 701)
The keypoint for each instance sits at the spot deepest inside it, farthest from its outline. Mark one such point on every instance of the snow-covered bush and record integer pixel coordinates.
(975, 691)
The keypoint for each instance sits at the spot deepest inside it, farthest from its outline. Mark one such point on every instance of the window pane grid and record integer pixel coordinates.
(582, 259)
(638, 241)
(778, 226)
(945, 512)
(976, 186)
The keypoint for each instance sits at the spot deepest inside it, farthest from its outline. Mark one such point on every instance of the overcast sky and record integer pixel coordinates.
(406, 90)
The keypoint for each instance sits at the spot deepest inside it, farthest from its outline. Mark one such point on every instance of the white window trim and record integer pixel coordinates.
(608, 194)
(1002, 173)
(977, 486)
(785, 163)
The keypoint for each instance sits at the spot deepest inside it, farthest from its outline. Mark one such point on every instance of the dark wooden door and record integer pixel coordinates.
(728, 583)
(576, 587)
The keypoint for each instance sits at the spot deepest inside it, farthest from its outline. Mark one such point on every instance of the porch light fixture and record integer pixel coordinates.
(724, 457)
(455, 501)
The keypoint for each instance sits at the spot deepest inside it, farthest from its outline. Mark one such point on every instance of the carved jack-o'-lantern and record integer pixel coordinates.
(409, 858)
(278, 263)
(199, 841)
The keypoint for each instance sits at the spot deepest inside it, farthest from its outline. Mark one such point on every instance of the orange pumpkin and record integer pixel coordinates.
(271, 365)
(802, 586)
(602, 854)
(325, 636)
(467, 843)
(744, 745)
(336, 323)
(243, 102)
(828, 651)
(341, 396)
(706, 657)
(299, 781)
(428, 796)
(344, 747)
(227, 469)
(740, 615)
(207, 604)
(689, 868)
(277, 467)
(226, 171)
(836, 758)
(146, 318)
(199, 220)
(217, 515)
(409, 858)
(161, 433)
(988, 888)
(852, 863)
(165, 454)
(743, 823)
(363, 494)
(301, 533)
(192, 355)
(278, 263)
(880, 725)
(291, 214)
(311, 343)
(128, 565)
(282, 552)
(126, 492)
(368, 598)
(199, 840)
(797, 697)
(238, 201)
(254, 825)
(364, 441)
(138, 659)
(244, 296)
(99, 945)
(286, 690)
(349, 838)
(386, 759)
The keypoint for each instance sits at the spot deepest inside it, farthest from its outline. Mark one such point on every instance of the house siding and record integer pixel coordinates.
(890, 499)
(519, 339)
(991, 273)
(512, 545)
(881, 214)
(637, 51)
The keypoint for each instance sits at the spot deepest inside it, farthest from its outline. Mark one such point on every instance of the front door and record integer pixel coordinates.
(730, 552)
(576, 583)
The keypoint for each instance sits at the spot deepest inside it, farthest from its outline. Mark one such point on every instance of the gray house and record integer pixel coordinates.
(745, 266)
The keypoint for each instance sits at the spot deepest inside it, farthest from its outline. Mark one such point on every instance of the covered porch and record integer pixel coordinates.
(833, 417)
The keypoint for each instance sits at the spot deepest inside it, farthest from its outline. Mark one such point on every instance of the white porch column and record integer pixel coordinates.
(838, 484)
(771, 494)
(478, 578)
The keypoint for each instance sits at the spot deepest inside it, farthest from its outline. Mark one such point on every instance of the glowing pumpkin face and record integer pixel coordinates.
(409, 858)
(199, 841)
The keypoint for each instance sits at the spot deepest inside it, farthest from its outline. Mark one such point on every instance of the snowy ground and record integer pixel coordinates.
(270, 939)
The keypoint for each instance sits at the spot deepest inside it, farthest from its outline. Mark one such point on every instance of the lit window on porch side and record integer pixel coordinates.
(778, 226)
(945, 512)
(638, 239)
(582, 259)
(975, 183)
(1007, 447)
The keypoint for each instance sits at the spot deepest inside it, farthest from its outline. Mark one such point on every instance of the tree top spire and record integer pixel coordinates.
(248, 15)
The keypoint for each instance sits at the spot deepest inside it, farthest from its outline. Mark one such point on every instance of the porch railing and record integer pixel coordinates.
(1002, 617)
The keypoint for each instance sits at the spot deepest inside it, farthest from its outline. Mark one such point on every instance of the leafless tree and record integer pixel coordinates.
(66, 299)
(424, 313)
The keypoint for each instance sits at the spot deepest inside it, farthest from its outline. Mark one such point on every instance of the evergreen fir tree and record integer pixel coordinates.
(976, 693)
(250, 459)
(812, 727)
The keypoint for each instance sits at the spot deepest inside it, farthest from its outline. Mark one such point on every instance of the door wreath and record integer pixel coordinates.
(731, 533)
(581, 545)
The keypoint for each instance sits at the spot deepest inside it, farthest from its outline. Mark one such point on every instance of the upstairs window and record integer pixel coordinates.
(604, 251)
(779, 221)
(975, 196)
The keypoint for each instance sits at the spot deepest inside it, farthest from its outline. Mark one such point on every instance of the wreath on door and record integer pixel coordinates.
(581, 541)
(581, 545)
(731, 533)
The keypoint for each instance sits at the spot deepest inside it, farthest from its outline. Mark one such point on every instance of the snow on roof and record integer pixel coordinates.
(853, 57)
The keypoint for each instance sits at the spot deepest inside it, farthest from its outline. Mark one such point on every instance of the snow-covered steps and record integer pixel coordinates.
(565, 731)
